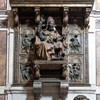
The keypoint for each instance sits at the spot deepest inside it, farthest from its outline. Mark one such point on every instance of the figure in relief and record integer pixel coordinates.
(75, 72)
(27, 36)
(25, 72)
(74, 45)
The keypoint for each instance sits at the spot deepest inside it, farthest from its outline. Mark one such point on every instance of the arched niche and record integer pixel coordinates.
(81, 97)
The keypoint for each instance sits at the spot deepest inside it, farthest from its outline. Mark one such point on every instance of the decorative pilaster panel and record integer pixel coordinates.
(2, 58)
(86, 61)
(2, 4)
(76, 54)
(16, 69)
(98, 56)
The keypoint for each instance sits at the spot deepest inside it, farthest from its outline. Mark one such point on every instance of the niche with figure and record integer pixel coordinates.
(47, 41)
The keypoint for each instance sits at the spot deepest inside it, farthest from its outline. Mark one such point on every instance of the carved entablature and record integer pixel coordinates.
(51, 2)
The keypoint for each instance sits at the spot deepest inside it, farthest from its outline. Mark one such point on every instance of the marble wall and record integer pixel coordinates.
(2, 57)
(98, 97)
(1, 97)
(2, 4)
(98, 56)
(97, 23)
(97, 4)
(22, 97)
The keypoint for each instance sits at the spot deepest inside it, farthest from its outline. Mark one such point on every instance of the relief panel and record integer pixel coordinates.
(75, 44)
(75, 40)
(26, 36)
(76, 70)
(41, 46)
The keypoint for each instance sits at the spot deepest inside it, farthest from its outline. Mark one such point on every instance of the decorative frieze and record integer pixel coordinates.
(50, 1)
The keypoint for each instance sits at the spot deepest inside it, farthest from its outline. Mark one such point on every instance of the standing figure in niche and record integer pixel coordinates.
(50, 46)
(74, 45)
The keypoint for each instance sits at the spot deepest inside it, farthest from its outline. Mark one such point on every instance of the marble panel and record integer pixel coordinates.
(2, 4)
(2, 57)
(30, 97)
(98, 4)
(97, 23)
(23, 96)
(98, 97)
(98, 57)
(1, 97)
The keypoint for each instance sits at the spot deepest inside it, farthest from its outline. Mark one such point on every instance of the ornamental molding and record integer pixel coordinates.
(59, 3)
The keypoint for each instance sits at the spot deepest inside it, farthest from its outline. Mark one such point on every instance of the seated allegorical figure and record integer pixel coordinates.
(49, 43)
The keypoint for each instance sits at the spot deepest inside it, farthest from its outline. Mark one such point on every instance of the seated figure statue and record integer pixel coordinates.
(49, 43)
